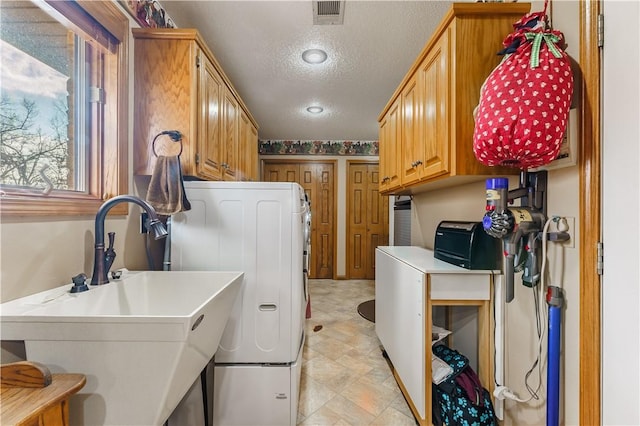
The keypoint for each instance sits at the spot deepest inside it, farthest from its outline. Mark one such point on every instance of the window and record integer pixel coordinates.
(63, 115)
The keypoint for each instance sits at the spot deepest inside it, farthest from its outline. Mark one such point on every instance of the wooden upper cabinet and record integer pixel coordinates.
(230, 133)
(247, 149)
(210, 143)
(251, 170)
(433, 79)
(383, 148)
(425, 119)
(390, 142)
(411, 128)
(437, 98)
(179, 85)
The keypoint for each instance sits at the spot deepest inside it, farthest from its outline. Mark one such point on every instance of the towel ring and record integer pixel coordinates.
(175, 136)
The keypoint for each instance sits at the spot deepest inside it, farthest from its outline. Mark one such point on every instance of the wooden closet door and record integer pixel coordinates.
(318, 182)
(280, 172)
(368, 219)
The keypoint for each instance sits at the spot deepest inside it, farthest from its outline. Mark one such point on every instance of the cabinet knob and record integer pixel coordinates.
(418, 162)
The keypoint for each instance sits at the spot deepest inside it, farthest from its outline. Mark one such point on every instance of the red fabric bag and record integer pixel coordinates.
(525, 101)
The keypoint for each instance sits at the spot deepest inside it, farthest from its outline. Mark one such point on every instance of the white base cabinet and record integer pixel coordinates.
(400, 322)
(409, 283)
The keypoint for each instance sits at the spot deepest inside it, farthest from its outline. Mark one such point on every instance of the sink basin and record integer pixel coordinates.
(141, 340)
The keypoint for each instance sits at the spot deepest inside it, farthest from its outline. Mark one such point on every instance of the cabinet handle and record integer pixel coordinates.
(418, 162)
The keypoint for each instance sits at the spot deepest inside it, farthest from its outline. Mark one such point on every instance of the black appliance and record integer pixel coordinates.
(465, 244)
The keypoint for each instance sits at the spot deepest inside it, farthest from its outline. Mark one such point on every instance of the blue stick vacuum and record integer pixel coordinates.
(555, 300)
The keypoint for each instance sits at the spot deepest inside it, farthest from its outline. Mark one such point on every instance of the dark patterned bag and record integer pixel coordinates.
(460, 400)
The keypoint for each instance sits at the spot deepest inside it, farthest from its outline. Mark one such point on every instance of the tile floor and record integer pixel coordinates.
(345, 379)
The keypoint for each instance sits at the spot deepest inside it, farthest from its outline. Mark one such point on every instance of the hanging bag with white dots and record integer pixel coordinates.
(525, 101)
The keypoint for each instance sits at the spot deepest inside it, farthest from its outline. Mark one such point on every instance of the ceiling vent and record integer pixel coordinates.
(328, 12)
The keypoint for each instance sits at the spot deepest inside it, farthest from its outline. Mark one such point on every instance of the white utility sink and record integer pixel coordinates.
(141, 340)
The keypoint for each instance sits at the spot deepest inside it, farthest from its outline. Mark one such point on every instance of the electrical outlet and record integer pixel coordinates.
(571, 243)
(144, 218)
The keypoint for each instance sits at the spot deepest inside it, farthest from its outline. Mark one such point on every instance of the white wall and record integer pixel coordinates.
(621, 230)
(42, 254)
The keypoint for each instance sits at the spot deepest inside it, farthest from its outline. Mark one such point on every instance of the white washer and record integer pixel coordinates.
(258, 228)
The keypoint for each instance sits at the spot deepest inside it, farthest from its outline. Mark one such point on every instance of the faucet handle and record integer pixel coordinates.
(79, 283)
(110, 253)
(112, 237)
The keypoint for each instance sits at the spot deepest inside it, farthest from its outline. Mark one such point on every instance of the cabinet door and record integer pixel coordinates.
(230, 136)
(252, 153)
(434, 81)
(400, 323)
(382, 154)
(209, 156)
(247, 149)
(390, 144)
(243, 148)
(412, 146)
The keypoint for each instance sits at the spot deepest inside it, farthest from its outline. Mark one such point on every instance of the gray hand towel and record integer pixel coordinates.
(166, 189)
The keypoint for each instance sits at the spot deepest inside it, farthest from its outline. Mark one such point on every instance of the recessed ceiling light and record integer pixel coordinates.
(315, 109)
(314, 56)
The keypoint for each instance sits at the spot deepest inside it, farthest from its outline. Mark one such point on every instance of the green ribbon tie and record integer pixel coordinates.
(550, 39)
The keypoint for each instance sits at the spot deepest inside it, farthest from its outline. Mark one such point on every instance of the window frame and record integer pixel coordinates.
(108, 162)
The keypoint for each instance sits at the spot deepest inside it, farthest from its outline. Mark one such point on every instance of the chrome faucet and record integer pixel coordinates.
(100, 269)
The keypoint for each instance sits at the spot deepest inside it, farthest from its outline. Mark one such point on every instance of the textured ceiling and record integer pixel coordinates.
(259, 45)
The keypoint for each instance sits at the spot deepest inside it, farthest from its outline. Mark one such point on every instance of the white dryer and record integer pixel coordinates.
(259, 228)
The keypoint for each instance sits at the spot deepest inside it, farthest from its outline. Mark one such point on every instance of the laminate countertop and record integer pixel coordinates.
(423, 260)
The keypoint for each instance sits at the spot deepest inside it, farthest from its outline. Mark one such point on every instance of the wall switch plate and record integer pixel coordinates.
(144, 218)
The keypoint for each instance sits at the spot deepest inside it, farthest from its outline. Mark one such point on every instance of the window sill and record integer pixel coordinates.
(43, 205)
